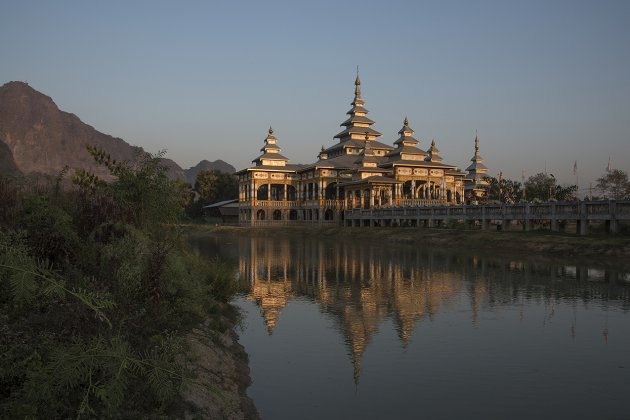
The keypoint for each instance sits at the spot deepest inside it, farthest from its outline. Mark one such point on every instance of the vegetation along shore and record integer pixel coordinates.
(104, 310)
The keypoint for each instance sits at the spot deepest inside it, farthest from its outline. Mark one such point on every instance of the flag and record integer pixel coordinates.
(575, 168)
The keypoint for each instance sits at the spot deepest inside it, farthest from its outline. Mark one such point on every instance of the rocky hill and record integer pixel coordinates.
(7, 164)
(42, 138)
(205, 165)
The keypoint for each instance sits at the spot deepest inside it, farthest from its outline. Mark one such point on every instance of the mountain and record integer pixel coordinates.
(7, 164)
(205, 165)
(44, 139)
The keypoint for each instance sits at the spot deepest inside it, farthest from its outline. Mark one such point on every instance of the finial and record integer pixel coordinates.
(406, 123)
(270, 130)
(433, 143)
(357, 85)
(322, 148)
(476, 142)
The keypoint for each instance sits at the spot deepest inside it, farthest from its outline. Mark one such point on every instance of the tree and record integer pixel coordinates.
(543, 187)
(215, 186)
(614, 185)
(210, 187)
(504, 190)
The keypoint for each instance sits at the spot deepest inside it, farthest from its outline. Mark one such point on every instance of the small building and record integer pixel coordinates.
(226, 211)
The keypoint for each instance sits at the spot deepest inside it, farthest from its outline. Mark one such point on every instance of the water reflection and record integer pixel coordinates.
(362, 285)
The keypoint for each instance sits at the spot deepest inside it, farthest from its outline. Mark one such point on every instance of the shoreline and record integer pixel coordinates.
(601, 249)
(220, 368)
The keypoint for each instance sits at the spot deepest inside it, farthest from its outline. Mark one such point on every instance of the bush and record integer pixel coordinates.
(97, 290)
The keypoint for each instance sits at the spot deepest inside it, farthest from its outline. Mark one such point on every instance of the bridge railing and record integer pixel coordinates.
(603, 210)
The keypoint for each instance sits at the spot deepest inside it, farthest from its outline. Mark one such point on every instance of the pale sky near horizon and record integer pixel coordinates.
(545, 83)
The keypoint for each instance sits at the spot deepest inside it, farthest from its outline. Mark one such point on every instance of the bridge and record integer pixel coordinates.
(505, 216)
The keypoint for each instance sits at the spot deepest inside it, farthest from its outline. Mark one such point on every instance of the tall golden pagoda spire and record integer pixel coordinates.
(358, 123)
(357, 88)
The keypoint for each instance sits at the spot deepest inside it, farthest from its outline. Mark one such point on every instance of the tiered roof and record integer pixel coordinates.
(477, 170)
(356, 126)
(433, 153)
(406, 146)
(271, 153)
(358, 150)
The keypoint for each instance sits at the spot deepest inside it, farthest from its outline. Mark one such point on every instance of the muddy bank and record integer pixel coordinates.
(221, 374)
(537, 244)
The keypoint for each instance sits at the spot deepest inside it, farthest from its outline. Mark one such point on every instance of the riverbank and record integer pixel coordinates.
(540, 244)
(220, 369)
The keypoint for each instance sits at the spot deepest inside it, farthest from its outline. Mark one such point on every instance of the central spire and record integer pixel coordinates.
(358, 123)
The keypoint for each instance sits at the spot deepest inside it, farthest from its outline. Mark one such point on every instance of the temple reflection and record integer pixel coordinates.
(361, 285)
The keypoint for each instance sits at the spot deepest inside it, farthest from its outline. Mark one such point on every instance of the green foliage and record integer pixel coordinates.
(543, 187)
(614, 185)
(211, 187)
(96, 292)
(504, 190)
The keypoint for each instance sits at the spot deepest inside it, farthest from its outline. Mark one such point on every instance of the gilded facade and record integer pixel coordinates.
(358, 171)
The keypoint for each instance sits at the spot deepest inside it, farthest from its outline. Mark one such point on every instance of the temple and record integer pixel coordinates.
(358, 171)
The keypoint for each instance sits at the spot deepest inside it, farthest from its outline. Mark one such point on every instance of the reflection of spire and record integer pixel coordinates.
(269, 285)
(271, 297)
(357, 336)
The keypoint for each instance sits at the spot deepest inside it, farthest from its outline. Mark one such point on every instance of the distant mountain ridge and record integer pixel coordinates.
(205, 165)
(42, 138)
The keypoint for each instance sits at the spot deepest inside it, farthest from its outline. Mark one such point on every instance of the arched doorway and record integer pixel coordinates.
(260, 215)
(406, 189)
(330, 193)
(291, 193)
(262, 193)
(277, 215)
(277, 192)
(293, 215)
(366, 199)
(329, 215)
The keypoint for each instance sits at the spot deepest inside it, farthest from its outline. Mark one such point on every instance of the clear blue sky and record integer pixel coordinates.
(545, 83)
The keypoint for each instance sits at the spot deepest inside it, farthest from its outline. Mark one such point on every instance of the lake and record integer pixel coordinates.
(342, 329)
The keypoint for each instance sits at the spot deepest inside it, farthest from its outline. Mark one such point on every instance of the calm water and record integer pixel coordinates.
(348, 330)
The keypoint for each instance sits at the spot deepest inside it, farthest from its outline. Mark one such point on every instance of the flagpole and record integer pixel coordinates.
(577, 179)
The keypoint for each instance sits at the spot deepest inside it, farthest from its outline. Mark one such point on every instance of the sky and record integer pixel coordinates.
(544, 83)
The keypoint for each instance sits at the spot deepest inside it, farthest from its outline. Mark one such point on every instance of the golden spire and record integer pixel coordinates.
(270, 130)
(476, 143)
(357, 85)
(406, 122)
